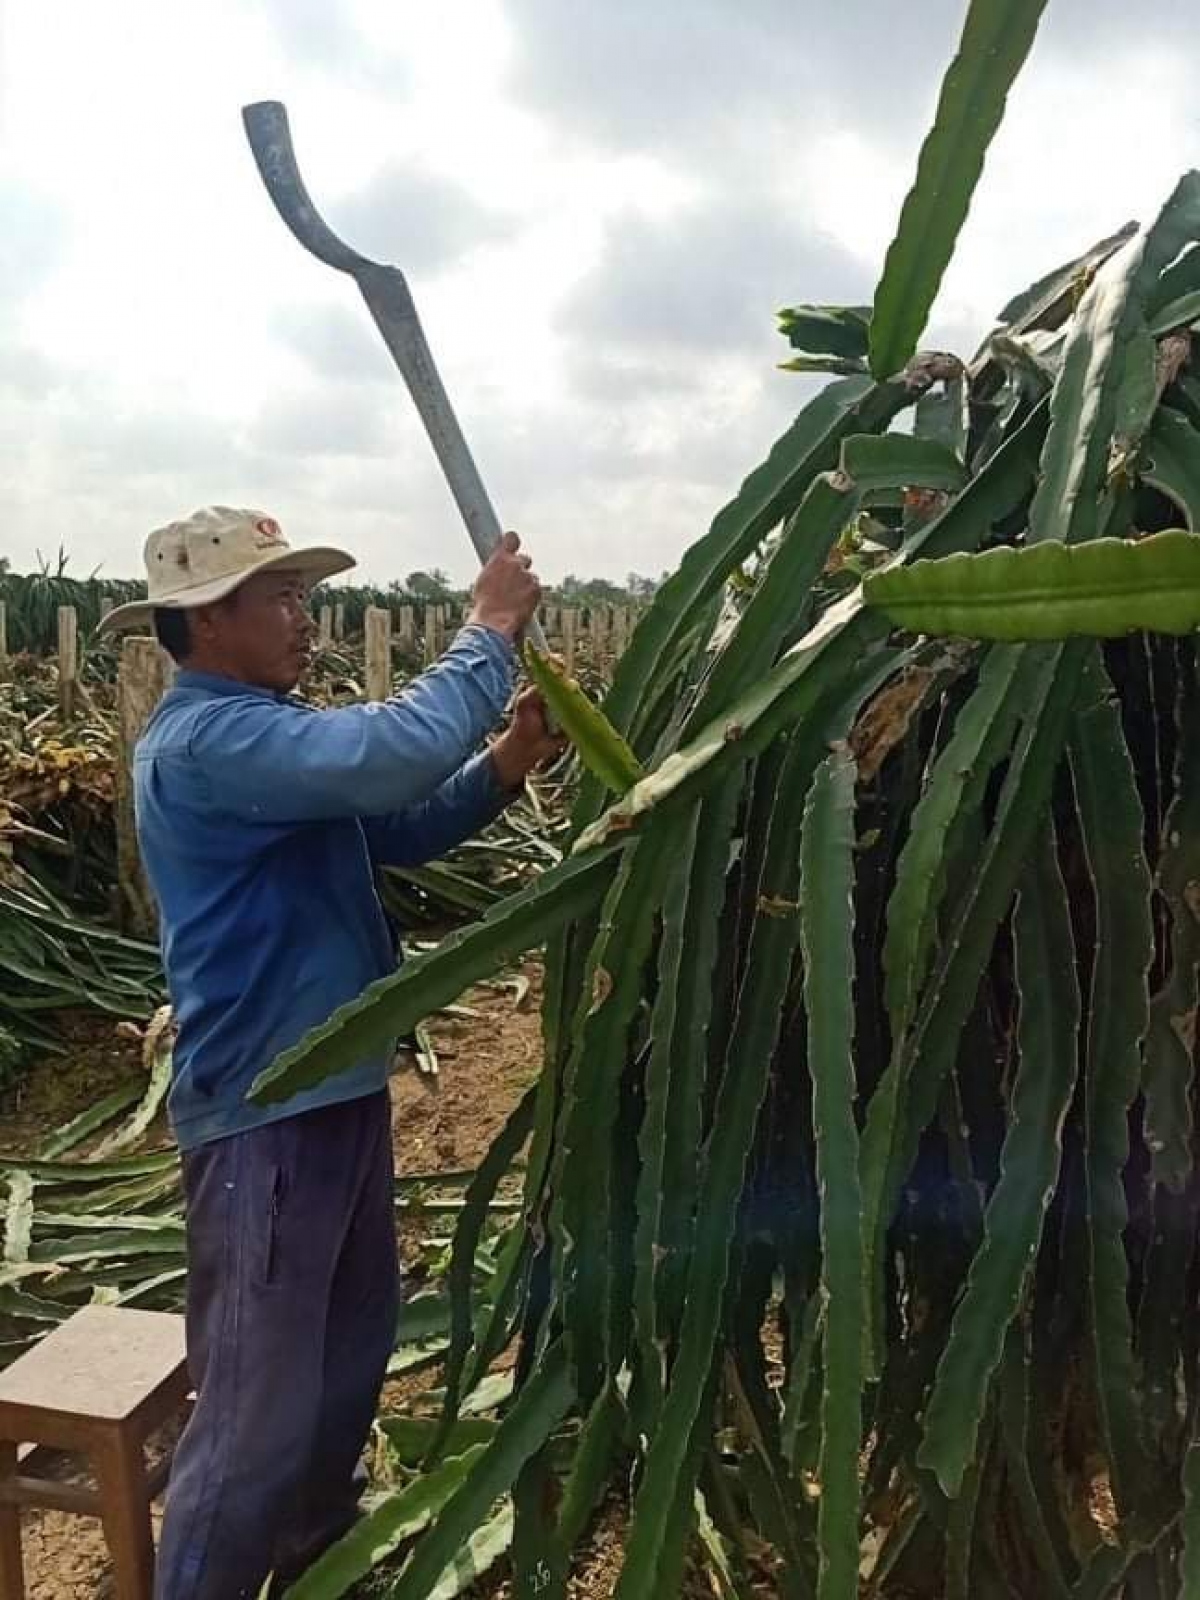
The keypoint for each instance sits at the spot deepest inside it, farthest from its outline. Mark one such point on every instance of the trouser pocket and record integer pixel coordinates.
(273, 1224)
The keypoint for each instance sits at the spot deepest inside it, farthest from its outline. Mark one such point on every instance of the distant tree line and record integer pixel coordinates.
(572, 591)
(31, 600)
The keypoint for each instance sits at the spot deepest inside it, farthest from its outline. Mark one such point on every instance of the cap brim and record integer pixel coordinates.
(316, 563)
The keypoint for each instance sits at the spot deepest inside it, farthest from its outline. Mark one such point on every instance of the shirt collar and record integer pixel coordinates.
(215, 683)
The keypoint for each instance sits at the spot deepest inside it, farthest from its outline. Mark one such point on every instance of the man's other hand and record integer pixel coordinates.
(507, 591)
(526, 743)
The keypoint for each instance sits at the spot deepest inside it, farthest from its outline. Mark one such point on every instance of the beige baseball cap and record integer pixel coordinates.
(209, 554)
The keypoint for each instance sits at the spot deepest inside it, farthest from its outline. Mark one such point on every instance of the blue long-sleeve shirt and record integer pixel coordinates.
(261, 822)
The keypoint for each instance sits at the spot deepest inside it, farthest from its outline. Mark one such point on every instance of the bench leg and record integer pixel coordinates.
(12, 1576)
(125, 1509)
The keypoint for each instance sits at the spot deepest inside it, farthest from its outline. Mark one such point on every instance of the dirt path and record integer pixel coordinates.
(485, 1061)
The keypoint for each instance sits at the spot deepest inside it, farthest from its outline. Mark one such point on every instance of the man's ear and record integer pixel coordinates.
(204, 625)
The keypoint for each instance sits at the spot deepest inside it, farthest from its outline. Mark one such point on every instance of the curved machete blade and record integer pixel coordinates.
(391, 305)
(266, 124)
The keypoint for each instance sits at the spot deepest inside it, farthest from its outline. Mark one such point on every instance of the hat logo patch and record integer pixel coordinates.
(267, 533)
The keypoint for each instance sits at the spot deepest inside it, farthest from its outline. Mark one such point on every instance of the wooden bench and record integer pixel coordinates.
(97, 1386)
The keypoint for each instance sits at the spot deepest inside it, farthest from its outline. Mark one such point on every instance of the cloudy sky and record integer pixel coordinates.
(599, 205)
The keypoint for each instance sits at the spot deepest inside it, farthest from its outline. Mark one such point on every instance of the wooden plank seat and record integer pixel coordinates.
(96, 1387)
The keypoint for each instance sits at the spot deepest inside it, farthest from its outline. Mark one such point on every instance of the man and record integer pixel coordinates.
(261, 823)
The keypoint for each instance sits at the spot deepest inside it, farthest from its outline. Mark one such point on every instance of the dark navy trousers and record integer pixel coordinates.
(292, 1303)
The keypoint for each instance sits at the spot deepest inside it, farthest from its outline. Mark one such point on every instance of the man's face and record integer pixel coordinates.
(261, 634)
